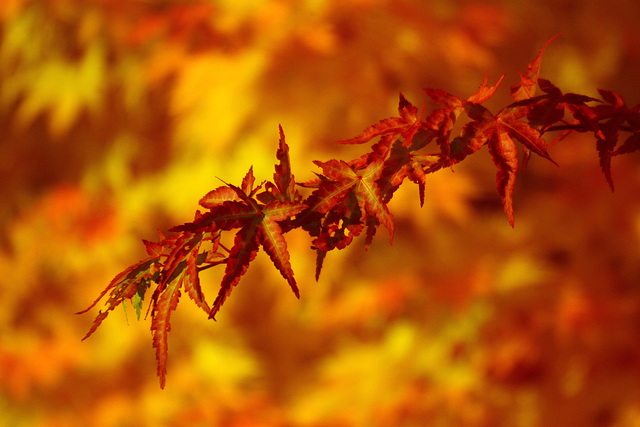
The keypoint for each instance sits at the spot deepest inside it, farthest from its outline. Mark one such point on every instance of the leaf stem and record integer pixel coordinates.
(213, 264)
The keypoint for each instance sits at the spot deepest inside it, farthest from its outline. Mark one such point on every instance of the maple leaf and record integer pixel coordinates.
(544, 111)
(347, 198)
(172, 264)
(484, 125)
(283, 187)
(272, 240)
(336, 230)
(615, 113)
(630, 145)
(442, 121)
(485, 92)
(404, 163)
(283, 178)
(605, 147)
(166, 302)
(528, 81)
(244, 251)
(331, 187)
(258, 219)
(342, 179)
(498, 132)
(181, 266)
(259, 226)
(247, 184)
(505, 157)
(124, 286)
(218, 196)
(405, 125)
(179, 271)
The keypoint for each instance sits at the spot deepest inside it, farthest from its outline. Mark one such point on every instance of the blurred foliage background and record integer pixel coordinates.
(117, 116)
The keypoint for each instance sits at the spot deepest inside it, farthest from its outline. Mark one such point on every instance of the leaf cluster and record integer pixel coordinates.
(349, 198)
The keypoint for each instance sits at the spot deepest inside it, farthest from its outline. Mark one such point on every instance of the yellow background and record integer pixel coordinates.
(117, 116)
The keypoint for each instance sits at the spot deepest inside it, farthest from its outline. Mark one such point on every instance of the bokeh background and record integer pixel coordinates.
(117, 116)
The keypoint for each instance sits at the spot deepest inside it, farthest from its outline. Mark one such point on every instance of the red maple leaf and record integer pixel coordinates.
(546, 110)
(218, 196)
(403, 162)
(499, 132)
(259, 227)
(165, 302)
(526, 88)
(179, 272)
(406, 125)
(336, 230)
(173, 265)
(174, 262)
(630, 145)
(347, 198)
(258, 224)
(283, 187)
(343, 179)
(124, 286)
(442, 121)
(613, 116)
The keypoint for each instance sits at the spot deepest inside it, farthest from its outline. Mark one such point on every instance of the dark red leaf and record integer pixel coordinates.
(283, 178)
(340, 180)
(442, 97)
(273, 241)
(368, 195)
(343, 179)
(321, 255)
(611, 98)
(630, 145)
(227, 216)
(167, 302)
(605, 147)
(528, 81)
(505, 157)
(244, 250)
(394, 125)
(604, 154)
(549, 88)
(527, 136)
(498, 133)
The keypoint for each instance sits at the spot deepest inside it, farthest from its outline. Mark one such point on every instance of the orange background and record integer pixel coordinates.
(117, 116)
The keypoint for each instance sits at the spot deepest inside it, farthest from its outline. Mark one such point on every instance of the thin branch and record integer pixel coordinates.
(213, 264)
